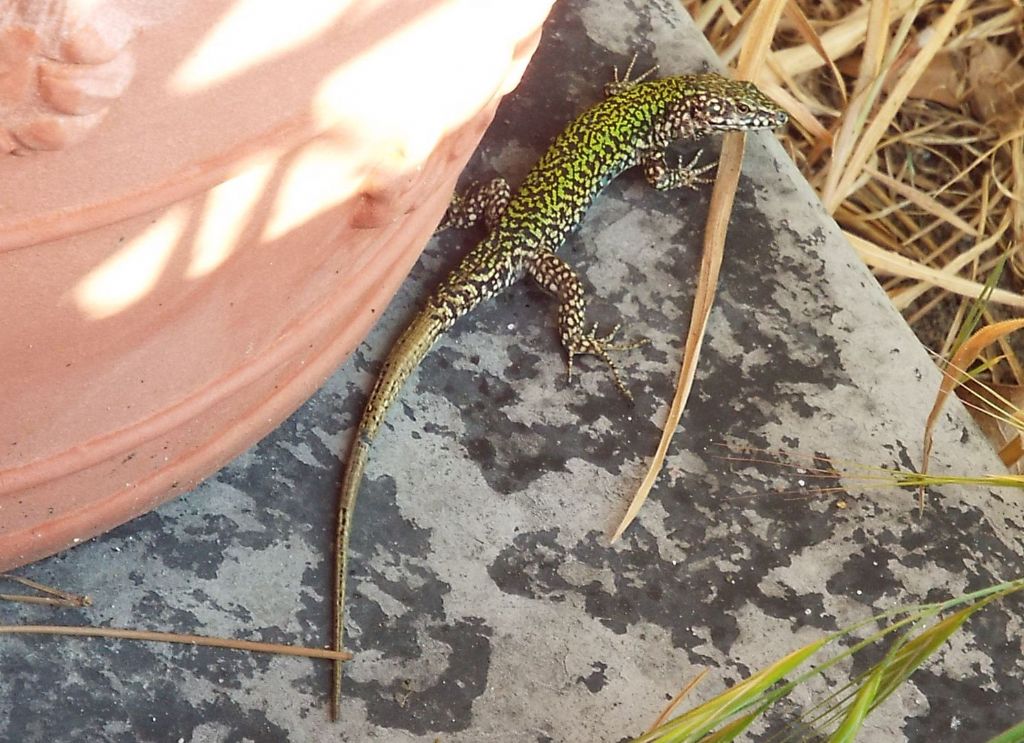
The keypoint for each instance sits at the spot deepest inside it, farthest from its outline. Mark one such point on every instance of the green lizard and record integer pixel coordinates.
(633, 126)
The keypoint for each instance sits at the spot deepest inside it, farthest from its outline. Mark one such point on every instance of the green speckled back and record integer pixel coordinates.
(638, 121)
(615, 134)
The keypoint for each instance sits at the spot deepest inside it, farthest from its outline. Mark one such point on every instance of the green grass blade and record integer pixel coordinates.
(905, 657)
(906, 479)
(977, 309)
(1013, 735)
(697, 722)
(734, 728)
(863, 703)
(909, 657)
(906, 654)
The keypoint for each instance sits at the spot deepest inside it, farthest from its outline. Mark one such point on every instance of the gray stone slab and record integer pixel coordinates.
(487, 604)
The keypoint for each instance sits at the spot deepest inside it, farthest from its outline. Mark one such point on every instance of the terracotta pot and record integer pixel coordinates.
(204, 207)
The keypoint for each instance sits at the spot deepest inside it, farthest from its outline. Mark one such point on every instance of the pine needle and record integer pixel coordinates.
(173, 637)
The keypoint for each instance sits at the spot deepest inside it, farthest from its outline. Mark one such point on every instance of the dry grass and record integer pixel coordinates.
(908, 119)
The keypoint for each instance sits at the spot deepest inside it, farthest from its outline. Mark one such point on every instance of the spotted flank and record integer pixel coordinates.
(633, 126)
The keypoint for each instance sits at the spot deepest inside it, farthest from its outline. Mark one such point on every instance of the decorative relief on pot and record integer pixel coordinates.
(62, 64)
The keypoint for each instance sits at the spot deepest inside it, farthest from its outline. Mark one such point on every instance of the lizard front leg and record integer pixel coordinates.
(665, 177)
(558, 278)
(617, 86)
(486, 201)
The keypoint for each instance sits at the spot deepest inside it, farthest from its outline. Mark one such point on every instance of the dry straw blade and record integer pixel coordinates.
(118, 633)
(755, 49)
(50, 596)
(677, 699)
(963, 358)
(888, 262)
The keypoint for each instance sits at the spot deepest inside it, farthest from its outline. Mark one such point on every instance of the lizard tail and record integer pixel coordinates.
(404, 357)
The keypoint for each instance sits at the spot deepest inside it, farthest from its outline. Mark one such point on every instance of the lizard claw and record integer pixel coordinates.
(595, 345)
(618, 85)
(692, 176)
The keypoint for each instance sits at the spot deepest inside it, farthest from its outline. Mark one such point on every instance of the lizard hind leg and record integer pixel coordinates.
(480, 201)
(557, 277)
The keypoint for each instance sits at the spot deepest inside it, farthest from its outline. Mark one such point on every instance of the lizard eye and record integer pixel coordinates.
(743, 108)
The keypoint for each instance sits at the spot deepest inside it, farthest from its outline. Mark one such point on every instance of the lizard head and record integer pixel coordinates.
(716, 103)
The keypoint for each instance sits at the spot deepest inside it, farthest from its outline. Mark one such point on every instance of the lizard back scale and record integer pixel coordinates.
(633, 126)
